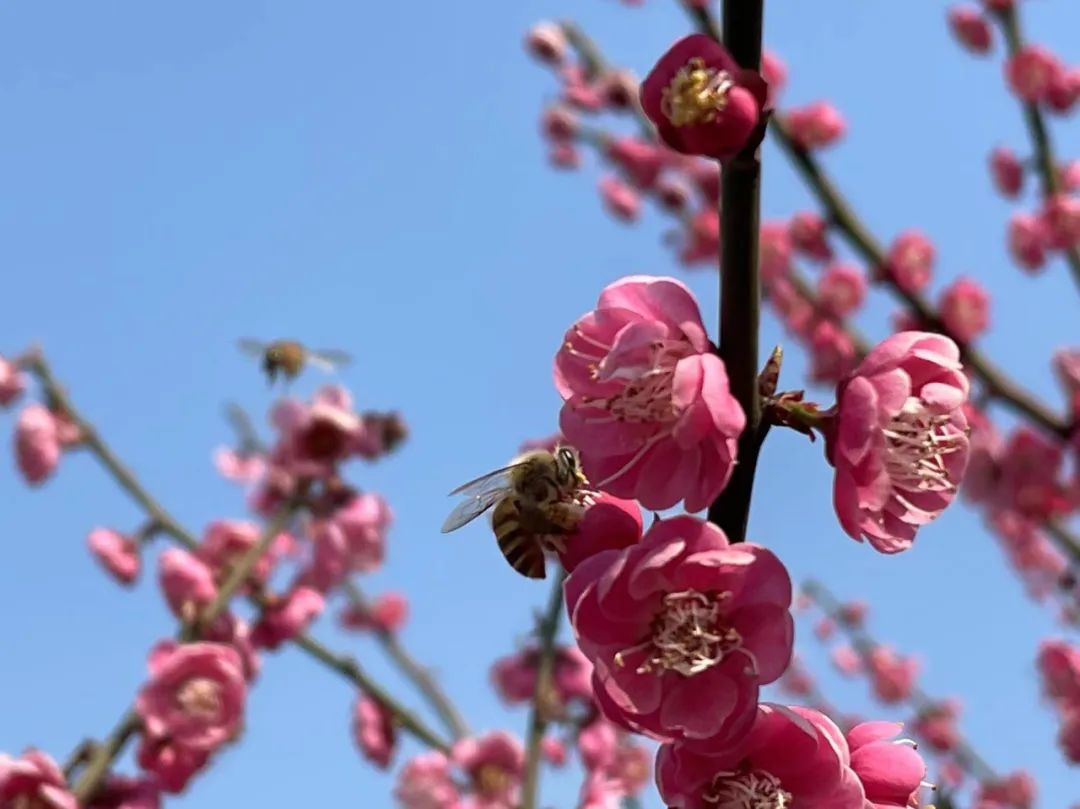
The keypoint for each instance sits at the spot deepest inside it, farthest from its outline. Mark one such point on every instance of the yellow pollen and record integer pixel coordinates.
(696, 94)
(491, 780)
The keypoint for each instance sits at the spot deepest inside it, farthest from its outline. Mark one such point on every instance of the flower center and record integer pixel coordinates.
(696, 94)
(755, 789)
(689, 635)
(200, 697)
(917, 442)
(491, 780)
(29, 802)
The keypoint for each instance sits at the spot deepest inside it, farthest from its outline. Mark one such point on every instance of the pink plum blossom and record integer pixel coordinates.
(118, 554)
(239, 467)
(514, 676)
(195, 695)
(682, 630)
(1007, 171)
(891, 772)
(1059, 665)
(608, 523)
(1015, 790)
(386, 613)
(1031, 71)
(288, 617)
(351, 540)
(832, 352)
(547, 42)
(936, 724)
(970, 28)
(619, 88)
(891, 675)
(808, 232)
(701, 101)
(171, 764)
(774, 71)
(640, 161)
(33, 780)
(898, 439)
(910, 261)
(38, 443)
(841, 289)
(965, 309)
(553, 751)
(494, 764)
(187, 583)
(1064, 90)
(672, 193)
(1028, 241)
(792, 756)
(316, 437)
(225, 543)
(846, 660)
(375, 731)
(425, 782)
(559, 122)
(1061, 217)
(647, 402)
(620, 200)
(564, 155)
(12, 382)
(815, 125)
(775, 252)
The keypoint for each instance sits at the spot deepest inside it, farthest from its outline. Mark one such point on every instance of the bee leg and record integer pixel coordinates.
(566, 516)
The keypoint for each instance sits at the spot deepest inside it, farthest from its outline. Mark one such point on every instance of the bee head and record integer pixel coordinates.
(568, 466)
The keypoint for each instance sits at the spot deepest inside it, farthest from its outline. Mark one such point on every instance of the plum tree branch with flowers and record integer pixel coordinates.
(678, 624)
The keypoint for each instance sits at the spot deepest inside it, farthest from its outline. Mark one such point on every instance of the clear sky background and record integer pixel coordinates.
(370, 176)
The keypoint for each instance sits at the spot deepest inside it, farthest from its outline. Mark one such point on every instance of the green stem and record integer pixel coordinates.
(547, 632)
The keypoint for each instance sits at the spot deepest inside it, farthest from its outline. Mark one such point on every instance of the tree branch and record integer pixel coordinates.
(865, 645)
(740, 287)
(1045, 162)
(420, 676)
(547, 632)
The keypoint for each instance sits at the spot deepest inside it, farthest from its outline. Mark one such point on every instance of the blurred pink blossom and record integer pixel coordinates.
(118, 554)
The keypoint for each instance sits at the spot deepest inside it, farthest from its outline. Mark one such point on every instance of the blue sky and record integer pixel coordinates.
(370, 176)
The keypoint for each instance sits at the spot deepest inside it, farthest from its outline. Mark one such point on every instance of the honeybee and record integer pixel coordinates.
(289, 357)
(539, 498)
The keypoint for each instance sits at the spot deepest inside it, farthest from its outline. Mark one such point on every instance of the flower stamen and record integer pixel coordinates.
(755, 789)
(917, 442)
(696, 94)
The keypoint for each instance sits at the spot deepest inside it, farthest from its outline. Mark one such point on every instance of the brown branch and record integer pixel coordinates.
(740, 286)
(103, 754)
(538, 719)
(420, 676)
(864, 646)
(863, 242)
(1045, 162)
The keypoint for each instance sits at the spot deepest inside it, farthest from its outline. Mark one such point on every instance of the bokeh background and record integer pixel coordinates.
(370, 176)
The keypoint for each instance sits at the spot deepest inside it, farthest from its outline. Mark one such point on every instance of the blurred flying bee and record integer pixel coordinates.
(289, 357)
(538, 500)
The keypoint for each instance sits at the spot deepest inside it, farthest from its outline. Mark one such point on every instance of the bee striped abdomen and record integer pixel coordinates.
(519, 546)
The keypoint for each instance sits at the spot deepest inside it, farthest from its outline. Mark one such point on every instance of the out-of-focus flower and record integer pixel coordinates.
(936, 724)
(187, 584)
(386, 613)
(846, 660)
(891, 675)
(808, 230)
(647, 402)
(225, 542)
(1015, 790)
(682, 630)
(1059, 665)
(494, 763)
(33, 780)
(425, 782)
(547, 42)
(1007, 171)
(195, 695)
(841, 289)
(775, 252)
(239, 467)
(559, 122)
(701, 101)
(12, 382)
(640, 161)
(117, 553)
(701, 242)
(832, 352)
(910, 261)
(171, 764)
(965, 309)
(1061, 218)
(288, 617)
(815, 125)
(774, 71)
(1031, 71)
(970, 28)
(1030, 475)
(40, 438)
(374, 731)
(899, 439)
(1028, 240)
(621, 201)
(122, 792)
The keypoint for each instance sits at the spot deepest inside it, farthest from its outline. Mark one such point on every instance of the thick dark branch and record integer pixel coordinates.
(740, 287)
(538, 714)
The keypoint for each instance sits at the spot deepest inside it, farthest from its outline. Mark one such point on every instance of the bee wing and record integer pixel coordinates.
(242, 426)
(472, 507)
(328, 359)
(255, 348)
(500, 478)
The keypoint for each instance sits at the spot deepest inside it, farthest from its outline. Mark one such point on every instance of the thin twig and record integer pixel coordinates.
(1045, 162)
(348, 668)
(538, 719)
(864, 646)
(740, 286)
(104, 754)
(420, 676)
